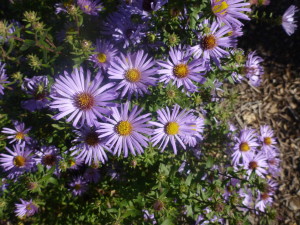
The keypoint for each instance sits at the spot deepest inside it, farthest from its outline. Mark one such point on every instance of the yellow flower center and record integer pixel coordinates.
(72, 163)
(19, 161)
(101, 58)
(172, 128)
(253, 165)
(87, 8)
(84, 101)
(92, 139)
(244, 147)
(124, 128)
(20, 135)
(220, 8)
(267, 140)
(181, 70)
(208, 42)
(133, 75)
(28, 207)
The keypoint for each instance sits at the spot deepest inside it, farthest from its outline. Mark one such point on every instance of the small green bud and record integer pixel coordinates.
(72, 10)
(206, 30)
(32, 186)
(39, 26)
(151, 37)
(3, 28)
(17, 76)
(171, 94)
(173, 40)
(34, 62)
(86, 45)
(31, 16)
(158, 205)
(3, 203)
(64, 166)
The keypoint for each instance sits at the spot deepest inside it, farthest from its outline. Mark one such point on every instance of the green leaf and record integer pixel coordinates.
(189, 180)
(209, 162)
(27, 44)
(167, 221)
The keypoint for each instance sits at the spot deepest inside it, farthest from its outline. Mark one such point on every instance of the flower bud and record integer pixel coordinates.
(158, 205)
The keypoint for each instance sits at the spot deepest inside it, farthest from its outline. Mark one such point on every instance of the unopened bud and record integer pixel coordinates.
(158, 205)
(31, 16)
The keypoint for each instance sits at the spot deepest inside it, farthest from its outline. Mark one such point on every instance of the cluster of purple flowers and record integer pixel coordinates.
(257, 153)
(104, 126)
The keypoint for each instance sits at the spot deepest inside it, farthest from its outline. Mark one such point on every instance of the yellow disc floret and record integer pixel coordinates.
(244, 147)
(181, 70)
(101, 58)
(124, 128)
(19, 161)
(133, 75)
(84, 101)
(172, 128)
(220, 8)
(20, 135)
(267, 140)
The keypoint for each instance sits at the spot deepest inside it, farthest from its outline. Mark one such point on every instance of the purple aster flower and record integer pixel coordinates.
(91, 148)
(126, 130)
(78, 186)
(105, 54)
(236, 77)
(82, 97)
(149, 217)
(171, 127)
(134, 73)
(256, 163)
(248, 197)
(19, 134)
(3, 77)
(274, 166)
(90, 7)
(263, 200)
(48, 156)
(91, 175)
(26, 208)
(229, 11)
(213, 39)
(181, 70)
(267, 138)
(123, 30)
(253, 69)
(245, 145)
(3, 185)
(215, 89)
(37, 87)
(288, 22)
(18, 161)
